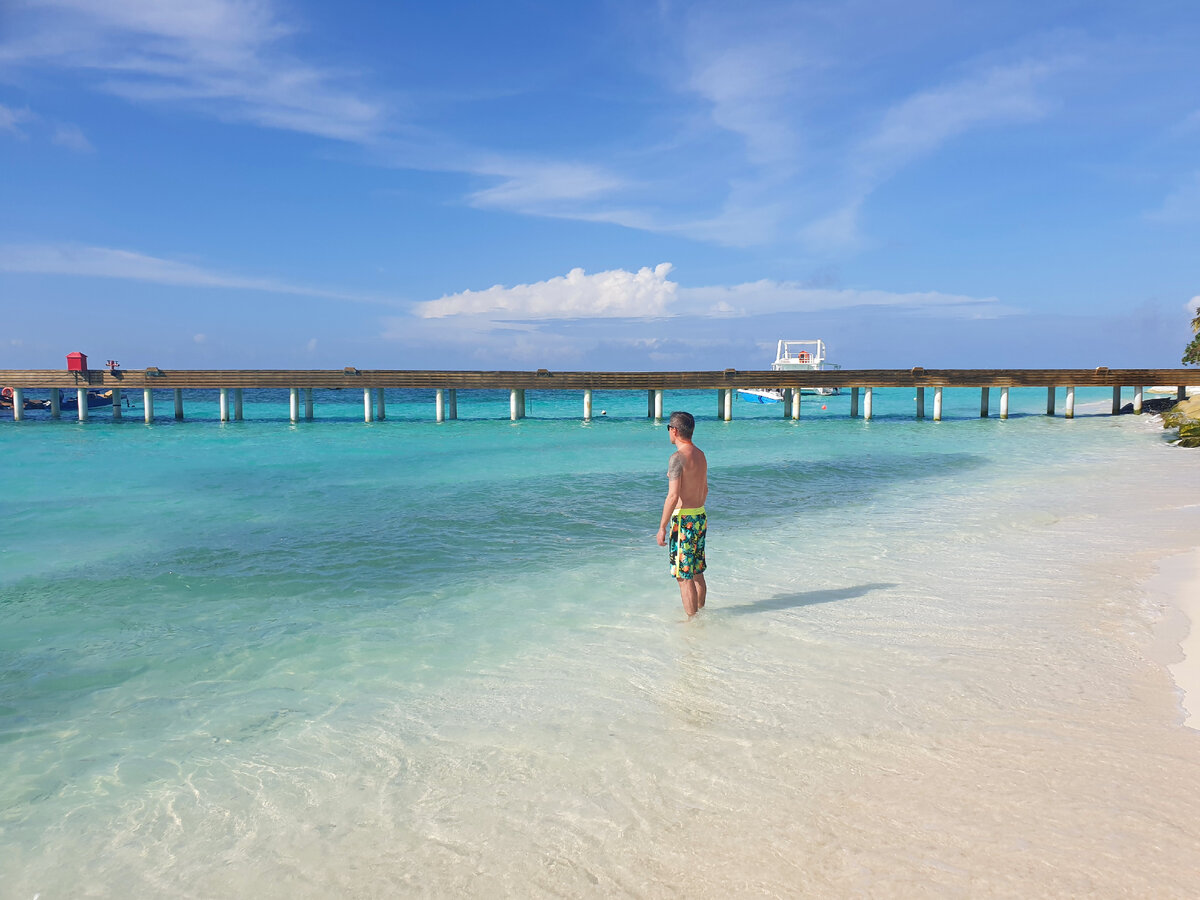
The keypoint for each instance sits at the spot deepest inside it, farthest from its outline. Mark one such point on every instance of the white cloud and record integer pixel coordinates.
(539, 187)
(10, 120)
(1181, 205)
(766, 296)
(107, 262)
(928, 119)
(616, 293)
(71, 137)
(648, 293)
(221, 55)
(199, 338)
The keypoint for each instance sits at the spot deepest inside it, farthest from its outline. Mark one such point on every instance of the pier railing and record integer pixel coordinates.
(446, 384)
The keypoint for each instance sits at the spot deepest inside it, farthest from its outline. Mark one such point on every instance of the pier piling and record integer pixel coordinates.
(148, 404)
(1004, 403)
(937, 404)
(179, 404)
(81, 397)
(1069, 406)
(1050, 400)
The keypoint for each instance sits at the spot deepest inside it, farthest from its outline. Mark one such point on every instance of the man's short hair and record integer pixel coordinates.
(683, 423)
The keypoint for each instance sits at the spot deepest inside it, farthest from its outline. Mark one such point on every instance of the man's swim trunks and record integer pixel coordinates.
(688, 528)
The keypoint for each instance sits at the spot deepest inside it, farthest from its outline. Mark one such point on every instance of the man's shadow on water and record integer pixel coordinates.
(804, 598)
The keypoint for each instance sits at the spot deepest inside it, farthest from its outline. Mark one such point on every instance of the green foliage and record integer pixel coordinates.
(1191, 353)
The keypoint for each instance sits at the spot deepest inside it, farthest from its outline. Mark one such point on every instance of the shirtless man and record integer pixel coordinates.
(683, 512)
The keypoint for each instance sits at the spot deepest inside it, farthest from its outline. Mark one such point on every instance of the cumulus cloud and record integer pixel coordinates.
(649, 293)
(615, 293)
(108, 262)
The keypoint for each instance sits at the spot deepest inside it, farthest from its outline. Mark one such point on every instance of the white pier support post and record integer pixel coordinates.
(1116, 408)
(380, 404)
(81, 396)
(1137, 400)
(1050, 400)
(55, 403)
(368, 408)
(920, 403)
(308, 405)
(727, 406)
(854, 403)
(237, 404)
(514, 404)
(18, 399)
(1069, 407)
(1004, 403)
(658, 404)
(294, 405)
(148, 404)
(179, 404)
(867, 397)
(439, 405)
(453, 403)
(796, 402)
(984, 402)
(116, 404)
(587, 405)
(224, 404)
(937, 404)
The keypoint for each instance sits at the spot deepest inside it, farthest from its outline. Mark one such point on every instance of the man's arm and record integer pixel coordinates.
(674, 480)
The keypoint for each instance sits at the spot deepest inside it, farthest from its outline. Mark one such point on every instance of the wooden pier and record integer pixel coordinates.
(230, 383)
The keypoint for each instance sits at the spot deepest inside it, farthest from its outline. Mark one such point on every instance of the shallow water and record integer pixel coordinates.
(338, 658)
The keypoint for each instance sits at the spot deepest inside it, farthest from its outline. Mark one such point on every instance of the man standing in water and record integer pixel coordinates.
(683, 512)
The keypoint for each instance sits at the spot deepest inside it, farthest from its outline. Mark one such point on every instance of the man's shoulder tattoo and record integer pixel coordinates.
(675, 466)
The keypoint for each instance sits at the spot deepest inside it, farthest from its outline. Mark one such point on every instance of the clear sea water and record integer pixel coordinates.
(412, 659)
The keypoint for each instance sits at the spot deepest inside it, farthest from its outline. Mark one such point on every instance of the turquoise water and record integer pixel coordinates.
(338, 658)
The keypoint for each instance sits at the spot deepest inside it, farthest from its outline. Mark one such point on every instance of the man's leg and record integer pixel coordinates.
(687, 591)
(701, 590)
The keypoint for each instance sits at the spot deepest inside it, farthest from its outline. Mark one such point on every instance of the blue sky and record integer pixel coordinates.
(672, 185)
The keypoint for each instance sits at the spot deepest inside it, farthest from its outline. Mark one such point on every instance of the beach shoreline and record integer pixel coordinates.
(1175, 587)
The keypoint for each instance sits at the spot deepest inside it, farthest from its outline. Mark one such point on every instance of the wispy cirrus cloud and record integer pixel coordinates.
(1181, 205)
(107, 262)
(226, 57)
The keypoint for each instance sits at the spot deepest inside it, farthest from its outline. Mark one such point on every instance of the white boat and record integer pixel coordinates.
(789, 357)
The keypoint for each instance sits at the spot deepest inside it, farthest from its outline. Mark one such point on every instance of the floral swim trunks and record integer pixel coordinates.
(688, 528)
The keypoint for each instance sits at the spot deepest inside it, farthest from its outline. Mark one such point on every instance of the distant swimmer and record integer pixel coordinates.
(683, 511)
